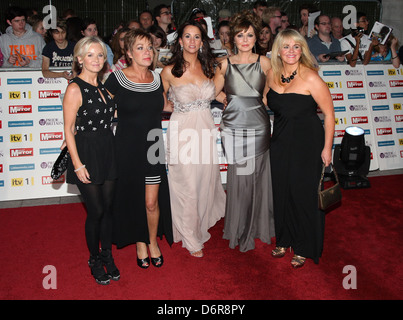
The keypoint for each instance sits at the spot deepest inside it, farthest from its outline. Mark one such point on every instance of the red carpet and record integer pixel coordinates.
(365, 232)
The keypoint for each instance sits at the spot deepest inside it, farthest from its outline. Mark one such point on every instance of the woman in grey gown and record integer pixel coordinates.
(245, 132)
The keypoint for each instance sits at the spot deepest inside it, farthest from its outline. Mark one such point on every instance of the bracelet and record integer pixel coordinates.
(395, 57)
(83, 166)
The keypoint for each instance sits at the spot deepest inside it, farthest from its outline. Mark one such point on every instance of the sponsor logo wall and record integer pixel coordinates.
(370, 97)
(31, 134)
(31, 124)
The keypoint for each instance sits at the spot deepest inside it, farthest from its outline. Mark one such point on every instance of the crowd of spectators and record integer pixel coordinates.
(26, 42)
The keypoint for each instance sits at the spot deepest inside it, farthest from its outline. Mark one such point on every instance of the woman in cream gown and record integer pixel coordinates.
(197, 195)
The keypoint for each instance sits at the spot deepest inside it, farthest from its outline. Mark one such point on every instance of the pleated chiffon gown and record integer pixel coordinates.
(196, 190)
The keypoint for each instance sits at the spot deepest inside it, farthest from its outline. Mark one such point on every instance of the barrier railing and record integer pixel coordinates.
(31, 123)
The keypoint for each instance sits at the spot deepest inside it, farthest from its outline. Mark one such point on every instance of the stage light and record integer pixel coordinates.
(351, 159)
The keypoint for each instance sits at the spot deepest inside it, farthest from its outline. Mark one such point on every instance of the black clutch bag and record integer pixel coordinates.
(60, 165)
(331, 196)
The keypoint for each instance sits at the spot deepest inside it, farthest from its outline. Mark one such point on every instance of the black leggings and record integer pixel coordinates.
(98, 199)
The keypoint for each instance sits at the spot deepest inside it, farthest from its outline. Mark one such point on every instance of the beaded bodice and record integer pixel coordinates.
(191, 97)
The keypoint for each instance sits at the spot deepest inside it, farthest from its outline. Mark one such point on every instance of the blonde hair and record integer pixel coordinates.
(307, 59)
(81, 48)
(269, 13)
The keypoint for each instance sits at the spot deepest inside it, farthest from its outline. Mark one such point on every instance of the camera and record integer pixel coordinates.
(357, 31)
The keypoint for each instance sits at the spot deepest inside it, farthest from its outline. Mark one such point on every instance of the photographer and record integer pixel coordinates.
(357, 42)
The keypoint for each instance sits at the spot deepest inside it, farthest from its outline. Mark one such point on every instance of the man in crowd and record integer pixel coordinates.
(323, 43)
(337, 28)
(146, 19)
(272, 17)
(163, 17)
(258, 8)
(285, 23)
(20, 45)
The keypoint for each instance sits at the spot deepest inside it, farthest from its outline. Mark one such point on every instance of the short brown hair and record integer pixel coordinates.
(242, 21)
(130, 39)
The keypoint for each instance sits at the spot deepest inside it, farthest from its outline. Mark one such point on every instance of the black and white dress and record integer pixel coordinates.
(94, 139)
(140, 157)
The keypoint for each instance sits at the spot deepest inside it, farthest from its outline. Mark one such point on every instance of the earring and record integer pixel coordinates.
(181, 48)
(200, 49)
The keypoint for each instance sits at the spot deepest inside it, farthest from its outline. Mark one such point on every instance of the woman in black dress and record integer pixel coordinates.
(143, 209)
(299, 146)
(88, 112)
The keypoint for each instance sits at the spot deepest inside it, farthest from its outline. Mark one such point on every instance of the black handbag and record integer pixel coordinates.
(331, 196)
(60, 165)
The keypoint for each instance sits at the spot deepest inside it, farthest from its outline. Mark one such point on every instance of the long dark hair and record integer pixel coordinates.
(205, 57)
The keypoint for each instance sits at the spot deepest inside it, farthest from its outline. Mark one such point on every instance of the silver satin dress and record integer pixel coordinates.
(245, 132)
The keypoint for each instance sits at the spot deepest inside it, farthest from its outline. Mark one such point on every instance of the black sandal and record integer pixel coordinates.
(107, 260)
(157, 262)
(98, 271)
(143, 263)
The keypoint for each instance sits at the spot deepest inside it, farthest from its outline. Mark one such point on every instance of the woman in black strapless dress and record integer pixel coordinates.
(299, 146)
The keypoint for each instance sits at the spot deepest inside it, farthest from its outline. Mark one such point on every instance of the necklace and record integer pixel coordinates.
(288, 79)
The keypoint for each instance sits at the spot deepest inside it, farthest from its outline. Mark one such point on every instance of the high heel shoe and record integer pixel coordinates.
(279, 252)
(297, 261)
(109, 263)
(97, 270)
(157, 262)
(197, 254)
(143, 263)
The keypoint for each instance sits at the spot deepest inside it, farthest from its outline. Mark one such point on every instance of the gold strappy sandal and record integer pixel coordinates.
(297, 261)
(279, 252)
(197, 254)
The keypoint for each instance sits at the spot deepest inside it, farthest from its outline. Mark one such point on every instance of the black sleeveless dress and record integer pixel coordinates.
(94, 139)
(140, 154)
(296, 146)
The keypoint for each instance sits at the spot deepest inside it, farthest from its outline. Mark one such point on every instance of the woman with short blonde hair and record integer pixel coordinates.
(88, 111)
(81, 49)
